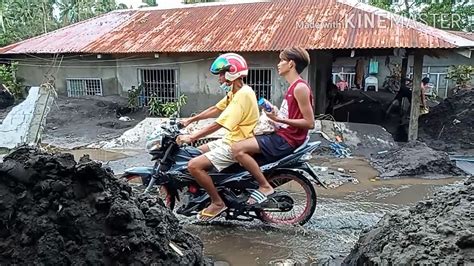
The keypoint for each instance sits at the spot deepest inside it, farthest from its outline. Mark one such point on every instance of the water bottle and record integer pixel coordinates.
(265, 104)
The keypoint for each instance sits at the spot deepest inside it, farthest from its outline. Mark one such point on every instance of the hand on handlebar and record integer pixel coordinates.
(185, 122)
(184, 139)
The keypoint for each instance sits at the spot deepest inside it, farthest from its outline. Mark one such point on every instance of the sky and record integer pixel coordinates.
(161, 3)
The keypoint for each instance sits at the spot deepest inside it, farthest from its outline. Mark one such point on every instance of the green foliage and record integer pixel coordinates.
(9, 79)
(197, 1)
(443, 14)
(154, 106)
(461, 75)
(150, 2)
(383, 4)
(168, 109)
(22, 19)
(133, 97)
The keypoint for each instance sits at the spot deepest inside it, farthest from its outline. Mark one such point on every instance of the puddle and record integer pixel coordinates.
(97, 154)
(326, 238)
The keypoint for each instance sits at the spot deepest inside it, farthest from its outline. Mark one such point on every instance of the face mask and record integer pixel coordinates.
(226, 87)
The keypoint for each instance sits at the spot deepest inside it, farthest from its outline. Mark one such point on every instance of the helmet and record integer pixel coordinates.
(232, 64)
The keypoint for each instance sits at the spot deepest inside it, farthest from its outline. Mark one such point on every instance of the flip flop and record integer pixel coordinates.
(203, 216)
(258, 197)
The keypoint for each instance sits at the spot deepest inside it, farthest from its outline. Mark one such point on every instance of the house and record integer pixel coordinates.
(169, 51)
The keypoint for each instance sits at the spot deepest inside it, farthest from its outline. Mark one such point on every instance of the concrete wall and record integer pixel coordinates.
(119, 75)
(33, 71)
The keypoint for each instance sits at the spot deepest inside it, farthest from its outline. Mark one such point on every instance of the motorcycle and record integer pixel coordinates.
(292, 177)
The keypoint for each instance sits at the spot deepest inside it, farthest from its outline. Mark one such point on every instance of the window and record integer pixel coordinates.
(161, 83)
(261, 81)
(83, 87)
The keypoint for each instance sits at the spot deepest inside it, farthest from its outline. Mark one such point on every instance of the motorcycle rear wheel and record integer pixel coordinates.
(300, 189)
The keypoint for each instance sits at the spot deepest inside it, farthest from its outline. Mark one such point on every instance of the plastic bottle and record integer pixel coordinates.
(265, 104)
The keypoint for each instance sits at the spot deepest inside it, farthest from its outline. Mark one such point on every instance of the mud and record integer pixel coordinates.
(76, 122)
(435, 231)
(56, 211)
(449, 126)
(414, 159)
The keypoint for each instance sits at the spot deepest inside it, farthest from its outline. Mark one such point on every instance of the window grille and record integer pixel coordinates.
(261, 81)
(83, 87)
(160, 83)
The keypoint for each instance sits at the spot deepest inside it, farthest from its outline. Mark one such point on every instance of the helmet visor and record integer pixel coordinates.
(219, 65)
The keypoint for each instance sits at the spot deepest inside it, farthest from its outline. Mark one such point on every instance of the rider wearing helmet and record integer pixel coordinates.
(237, 112)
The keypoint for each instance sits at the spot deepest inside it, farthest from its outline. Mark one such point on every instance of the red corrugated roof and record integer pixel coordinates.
(261, 26)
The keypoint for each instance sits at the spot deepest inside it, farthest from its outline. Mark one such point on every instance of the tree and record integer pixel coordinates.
(150, 2)
(198, 1)
(22, 19)
(444, 14)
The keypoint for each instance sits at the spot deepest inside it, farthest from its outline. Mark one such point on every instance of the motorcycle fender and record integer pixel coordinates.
(311, 174)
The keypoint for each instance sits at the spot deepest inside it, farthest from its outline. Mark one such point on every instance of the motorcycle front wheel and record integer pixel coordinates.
(161, 192)
(302, 193)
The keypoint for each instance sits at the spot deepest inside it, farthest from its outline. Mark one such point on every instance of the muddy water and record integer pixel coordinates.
(341, 214)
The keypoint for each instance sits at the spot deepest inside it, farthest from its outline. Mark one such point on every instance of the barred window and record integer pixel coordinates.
(160, 83)
(83, 87)
(261, 81)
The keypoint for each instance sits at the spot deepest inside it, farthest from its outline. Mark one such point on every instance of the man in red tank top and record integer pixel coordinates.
(295, 119)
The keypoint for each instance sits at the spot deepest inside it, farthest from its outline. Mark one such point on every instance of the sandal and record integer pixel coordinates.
(203, 216)
(258, 197)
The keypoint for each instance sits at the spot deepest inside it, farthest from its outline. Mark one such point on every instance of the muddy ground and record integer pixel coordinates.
(56, 211)
(435, 231)
(449, 126)
(75, 122)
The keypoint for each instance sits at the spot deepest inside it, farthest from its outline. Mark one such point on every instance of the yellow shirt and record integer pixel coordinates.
(239, 114)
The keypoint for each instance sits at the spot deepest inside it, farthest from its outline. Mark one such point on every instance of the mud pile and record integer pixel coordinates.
(435, 231)
(450, 125)
(54, 211)
(77, 122)
(414, 159)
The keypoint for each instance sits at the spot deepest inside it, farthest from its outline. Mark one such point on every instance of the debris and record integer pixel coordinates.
(455, 121)
(54, 211)
(333, 179)
(340, 150)
(382, 152)
(435, 231)
(176, 249)
(125, 118)
(414, 159)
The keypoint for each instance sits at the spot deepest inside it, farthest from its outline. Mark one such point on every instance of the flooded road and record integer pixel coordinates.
(341, 214)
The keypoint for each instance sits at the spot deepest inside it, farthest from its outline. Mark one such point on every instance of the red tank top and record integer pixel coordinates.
(294, 136)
